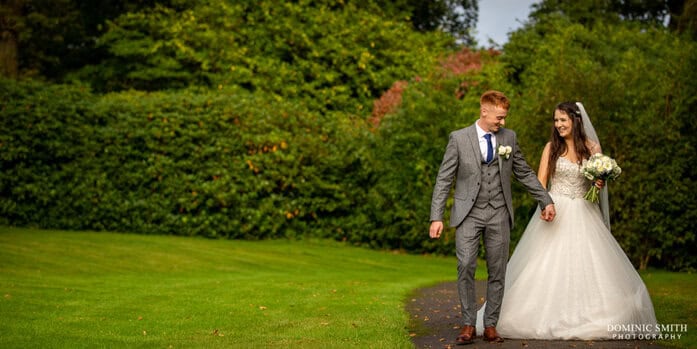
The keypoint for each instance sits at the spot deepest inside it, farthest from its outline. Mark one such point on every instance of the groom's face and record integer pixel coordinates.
(492, 118)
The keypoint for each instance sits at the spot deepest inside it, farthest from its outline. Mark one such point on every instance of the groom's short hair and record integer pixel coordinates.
(495, 98)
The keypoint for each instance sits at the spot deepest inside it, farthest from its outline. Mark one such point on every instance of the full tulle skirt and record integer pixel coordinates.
(570, 279)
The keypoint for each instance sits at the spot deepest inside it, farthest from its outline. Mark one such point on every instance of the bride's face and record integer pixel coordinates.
(563, 124)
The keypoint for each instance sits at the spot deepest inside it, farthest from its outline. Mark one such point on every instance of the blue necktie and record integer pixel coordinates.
(489, 148)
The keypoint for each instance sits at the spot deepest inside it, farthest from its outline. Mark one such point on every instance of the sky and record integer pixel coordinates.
(498, 17)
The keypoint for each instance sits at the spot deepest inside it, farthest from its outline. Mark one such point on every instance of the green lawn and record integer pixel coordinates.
(89, 290)
(673, 296)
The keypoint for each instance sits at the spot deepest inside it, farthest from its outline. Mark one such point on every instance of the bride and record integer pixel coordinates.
(569, 278)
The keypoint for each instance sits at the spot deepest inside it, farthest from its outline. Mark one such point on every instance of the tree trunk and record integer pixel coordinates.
(10, 14)
(644, 262)
(8, 55)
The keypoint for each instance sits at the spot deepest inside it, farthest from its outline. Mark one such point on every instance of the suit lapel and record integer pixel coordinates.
(474, 142)
(499, 142)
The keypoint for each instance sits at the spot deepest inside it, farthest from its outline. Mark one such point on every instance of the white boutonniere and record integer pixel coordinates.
(505, 151)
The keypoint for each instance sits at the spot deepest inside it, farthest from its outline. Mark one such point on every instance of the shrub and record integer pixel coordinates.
(194, 162)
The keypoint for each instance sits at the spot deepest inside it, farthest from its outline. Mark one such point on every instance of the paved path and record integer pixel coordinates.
(435, 322)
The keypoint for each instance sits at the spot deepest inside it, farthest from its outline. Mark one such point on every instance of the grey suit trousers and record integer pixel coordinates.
(494, 225)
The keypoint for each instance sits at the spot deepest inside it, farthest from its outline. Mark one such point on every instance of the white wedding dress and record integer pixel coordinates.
(569, 278)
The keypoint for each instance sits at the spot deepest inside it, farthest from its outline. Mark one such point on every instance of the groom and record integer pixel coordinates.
(482, 205)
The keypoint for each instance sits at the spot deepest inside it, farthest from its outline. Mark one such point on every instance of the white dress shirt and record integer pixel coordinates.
(482, 141)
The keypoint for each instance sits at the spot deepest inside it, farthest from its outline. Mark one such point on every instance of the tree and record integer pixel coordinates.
(50, 38)
(683, 17)
(587, 12)
(456, 17)
(679, 15)
(333, 57)
(11, 24)
(10, 27)
(53, 38)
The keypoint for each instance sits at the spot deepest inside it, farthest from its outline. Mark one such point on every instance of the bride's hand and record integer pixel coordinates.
(548, 213)
(599, 184)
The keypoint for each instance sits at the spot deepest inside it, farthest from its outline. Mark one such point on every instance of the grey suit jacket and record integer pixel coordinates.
(463, 160)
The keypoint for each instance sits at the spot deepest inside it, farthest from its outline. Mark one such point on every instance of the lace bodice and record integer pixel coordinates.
(568, 180)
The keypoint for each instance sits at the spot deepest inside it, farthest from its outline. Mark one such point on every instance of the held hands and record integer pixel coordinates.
(548, 213)
(436, 229)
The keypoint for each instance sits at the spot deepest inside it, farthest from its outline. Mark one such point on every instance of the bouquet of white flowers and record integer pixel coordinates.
(599, 166)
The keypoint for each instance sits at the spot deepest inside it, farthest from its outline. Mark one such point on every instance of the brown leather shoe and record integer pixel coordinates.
(490, 335)
(467, 334)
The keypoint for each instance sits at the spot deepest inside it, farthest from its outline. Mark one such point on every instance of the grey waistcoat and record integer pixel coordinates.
(490, 192)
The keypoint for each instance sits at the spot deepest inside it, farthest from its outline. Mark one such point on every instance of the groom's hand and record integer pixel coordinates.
(436, 229)
(548, 213)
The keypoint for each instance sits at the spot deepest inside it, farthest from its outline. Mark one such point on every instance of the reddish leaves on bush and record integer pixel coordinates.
(457, 64)
(462, 62)
(388, 102)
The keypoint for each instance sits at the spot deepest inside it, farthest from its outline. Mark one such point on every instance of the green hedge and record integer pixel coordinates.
(212, 163)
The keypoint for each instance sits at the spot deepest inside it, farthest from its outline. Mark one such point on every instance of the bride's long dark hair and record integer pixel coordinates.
(558, 145)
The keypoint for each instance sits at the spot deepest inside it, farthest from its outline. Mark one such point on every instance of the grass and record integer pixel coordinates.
(89, 290)
(94, 290)
(673, 297)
